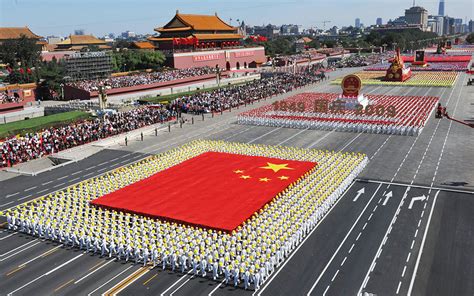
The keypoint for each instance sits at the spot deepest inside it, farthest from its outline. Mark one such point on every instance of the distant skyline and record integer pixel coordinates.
(62, 17)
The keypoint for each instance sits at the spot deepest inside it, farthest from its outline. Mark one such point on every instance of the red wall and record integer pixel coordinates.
(219, 57)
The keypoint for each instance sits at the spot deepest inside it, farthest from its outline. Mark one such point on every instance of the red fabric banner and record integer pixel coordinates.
(213, 190)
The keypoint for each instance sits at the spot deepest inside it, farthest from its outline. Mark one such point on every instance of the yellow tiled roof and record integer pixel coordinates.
(16, 32)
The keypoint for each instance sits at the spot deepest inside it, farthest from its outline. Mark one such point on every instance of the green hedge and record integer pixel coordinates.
(35, 124)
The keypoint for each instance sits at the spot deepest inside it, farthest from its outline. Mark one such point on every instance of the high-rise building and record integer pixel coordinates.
(79, 32)
(417, 15)
(378, 22)
(441, 8)
(357, 22)
(471, 26)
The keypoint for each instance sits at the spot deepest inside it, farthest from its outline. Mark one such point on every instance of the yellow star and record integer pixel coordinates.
(245, 177)
(264, 179)
(276, 167)
(283, 178)
(238, 171)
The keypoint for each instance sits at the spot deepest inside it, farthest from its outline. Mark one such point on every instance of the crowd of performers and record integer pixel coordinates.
(245, 258)
(35, 145)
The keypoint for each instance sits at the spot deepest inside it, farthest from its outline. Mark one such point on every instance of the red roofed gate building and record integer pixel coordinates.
(190, 40)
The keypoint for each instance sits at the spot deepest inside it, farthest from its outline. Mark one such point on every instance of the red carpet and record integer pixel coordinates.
(213, 190)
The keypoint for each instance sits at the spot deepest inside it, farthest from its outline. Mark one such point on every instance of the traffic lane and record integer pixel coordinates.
(40, 269)
(14, 240)
(347, 270)
(299, 273)
(42, 189)
(26, 253)
(23, 185)
(394, 267)
(163, 282)
(447, 260)
(68, 275)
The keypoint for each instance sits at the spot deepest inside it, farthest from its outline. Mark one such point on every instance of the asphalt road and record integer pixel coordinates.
(414, 216)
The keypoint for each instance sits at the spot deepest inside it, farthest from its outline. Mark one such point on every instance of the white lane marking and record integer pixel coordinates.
(13, 194)
(110, 280)
(332, 280)
(31, 188)
(180, 286)
(343, 241)
(360, 233)
(77, 172)
(283, 142)
(394, 218)
(414, 186)
(319, 140)
(325, 291)
(22, 250)
(399, 285)
(6, 204)
(40, 256)
(24, 197)
(347, 145)
(273, 276)
(352, 247)
(265, 134)
(63, 177)
(215, 289)
(75, 179)
(88, 174)
(408, 257)
(45, 274)
(41, 191)
(59, 185)
(175, 283)
(404, 269)
(5, 237)
(95, 270)
(101, 170)
(344, 261)
(412, 281)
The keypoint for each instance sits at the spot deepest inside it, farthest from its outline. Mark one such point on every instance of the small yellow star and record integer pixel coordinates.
(245, 177)
(283, 178)
(264, 179)
(276, 167)
(238, 171)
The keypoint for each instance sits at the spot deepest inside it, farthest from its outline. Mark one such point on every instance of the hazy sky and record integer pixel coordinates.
(61, 17)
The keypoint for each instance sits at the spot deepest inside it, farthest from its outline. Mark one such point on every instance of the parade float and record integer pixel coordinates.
(397, 70)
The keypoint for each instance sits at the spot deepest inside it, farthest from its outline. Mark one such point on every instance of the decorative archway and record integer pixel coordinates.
(227, 66)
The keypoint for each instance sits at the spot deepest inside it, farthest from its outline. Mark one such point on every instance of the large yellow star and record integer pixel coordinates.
(245, 177)
(276, 167)
(238, 171)
(264, 179)
(283, 178)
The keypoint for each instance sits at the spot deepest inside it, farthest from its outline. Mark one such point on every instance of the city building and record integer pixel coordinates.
(79, 42)
(302, 43)
(448, 25)
(54, 39)
(357, 22)
(79, 32)
(471, 26)
(417, 15)
(290, 29)
(458, 26)
(88, 65)
(441, 8)
(436, 24)
(190, 40)
(378, 22)
(128, 35)
(269, 31)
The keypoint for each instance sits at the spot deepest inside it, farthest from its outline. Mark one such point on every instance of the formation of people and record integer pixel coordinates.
(35, 145)
(5, 97)
(245, 258)
(141, 78)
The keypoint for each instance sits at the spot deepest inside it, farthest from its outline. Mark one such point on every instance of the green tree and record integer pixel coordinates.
(129, 60)
(51, 77)
(470, 38)
(22, 53)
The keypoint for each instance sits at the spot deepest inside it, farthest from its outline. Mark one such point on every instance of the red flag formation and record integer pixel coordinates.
(214, 190)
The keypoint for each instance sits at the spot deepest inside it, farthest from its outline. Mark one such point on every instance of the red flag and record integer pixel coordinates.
(21, 71)
(231, 189)
(28, 70)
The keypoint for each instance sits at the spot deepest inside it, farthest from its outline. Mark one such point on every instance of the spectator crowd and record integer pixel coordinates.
(6, 98)
(36, 145)
(51, 140)
(141, 78)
